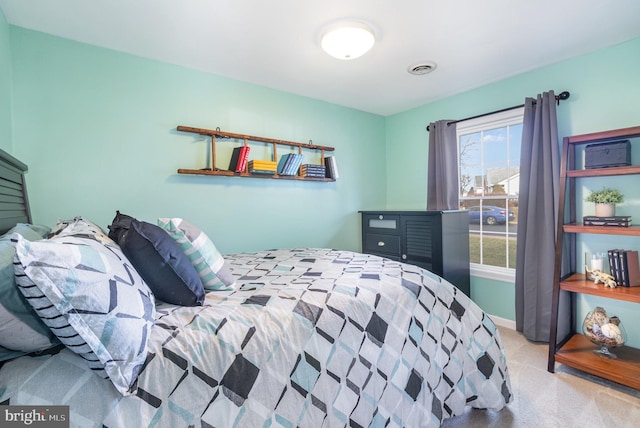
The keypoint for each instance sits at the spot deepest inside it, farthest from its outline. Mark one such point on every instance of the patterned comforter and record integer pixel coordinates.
(309, 338)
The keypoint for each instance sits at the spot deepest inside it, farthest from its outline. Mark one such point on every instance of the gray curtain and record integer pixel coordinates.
(442, 175)
(537, 217)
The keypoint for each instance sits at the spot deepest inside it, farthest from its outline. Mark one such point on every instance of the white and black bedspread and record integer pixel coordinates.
(310, 338)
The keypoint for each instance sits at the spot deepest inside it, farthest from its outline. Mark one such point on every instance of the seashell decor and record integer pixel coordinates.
(605, 331)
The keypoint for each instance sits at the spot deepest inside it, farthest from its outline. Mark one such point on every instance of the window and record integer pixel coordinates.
(489, 171)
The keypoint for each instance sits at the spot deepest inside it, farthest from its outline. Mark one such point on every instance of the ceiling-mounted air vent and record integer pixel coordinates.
(422, 68)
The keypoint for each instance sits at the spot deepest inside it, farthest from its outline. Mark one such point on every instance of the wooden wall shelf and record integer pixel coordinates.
(247, 139)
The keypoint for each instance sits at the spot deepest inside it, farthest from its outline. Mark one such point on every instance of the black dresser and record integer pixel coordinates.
(435, 240)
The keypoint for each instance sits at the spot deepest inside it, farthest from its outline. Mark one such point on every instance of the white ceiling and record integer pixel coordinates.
(276, 43)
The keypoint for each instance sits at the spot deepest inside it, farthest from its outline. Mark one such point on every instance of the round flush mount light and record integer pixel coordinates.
(347, 40)
(421, 68)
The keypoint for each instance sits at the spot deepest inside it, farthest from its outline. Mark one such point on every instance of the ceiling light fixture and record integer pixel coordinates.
(348, 40)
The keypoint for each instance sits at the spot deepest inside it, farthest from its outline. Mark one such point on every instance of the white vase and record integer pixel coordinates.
(605, 210)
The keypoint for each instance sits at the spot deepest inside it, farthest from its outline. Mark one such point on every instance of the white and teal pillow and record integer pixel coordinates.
(202, 253)
(78, 226)
(89, 295)
(21, 330)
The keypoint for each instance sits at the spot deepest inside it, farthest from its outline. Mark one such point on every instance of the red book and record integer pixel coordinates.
(242, 158)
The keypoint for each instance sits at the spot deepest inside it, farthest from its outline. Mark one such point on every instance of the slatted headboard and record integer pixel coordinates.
(14, 204)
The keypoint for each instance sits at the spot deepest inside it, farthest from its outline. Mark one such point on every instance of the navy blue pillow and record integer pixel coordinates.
(162, 264)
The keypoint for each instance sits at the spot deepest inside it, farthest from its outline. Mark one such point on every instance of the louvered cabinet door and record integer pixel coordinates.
(439, 242)
(421, 240)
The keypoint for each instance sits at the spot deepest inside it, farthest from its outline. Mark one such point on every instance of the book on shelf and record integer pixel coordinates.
(295, 164)
(624, 274)
(312, 174)
(624, 267)
(633, 268)
(261, 171)
(611, 265)
(288, 164)
(313, 166)
(332, 167)
(614, 265)
(262, 167)
(613, 218)
(235, 156)
(264, 164)
(313, 170)
(281, 163)
(291, 164)
(618, 221)
(242, 158)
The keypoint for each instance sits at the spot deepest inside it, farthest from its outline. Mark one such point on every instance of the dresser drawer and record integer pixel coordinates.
(381, 223)
(379, 243)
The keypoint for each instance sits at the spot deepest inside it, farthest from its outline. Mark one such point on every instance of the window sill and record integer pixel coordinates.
(493, 272)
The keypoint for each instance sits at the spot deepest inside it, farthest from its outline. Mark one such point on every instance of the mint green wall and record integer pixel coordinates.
(97, 129)
(605, 94)
(5, 86)
(604, 90)
(495, 297)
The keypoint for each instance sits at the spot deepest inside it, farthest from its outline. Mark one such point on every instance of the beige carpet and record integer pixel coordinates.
(567, 398)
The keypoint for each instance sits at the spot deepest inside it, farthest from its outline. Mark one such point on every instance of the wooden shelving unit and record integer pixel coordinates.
(575, 350)
(247, 139)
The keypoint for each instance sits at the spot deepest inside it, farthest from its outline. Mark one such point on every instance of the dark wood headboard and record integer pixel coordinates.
(14, 204)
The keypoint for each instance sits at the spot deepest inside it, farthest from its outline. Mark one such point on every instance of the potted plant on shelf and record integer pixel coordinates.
(606, 200)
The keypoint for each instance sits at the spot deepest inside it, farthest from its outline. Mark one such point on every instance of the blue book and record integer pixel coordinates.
(282, 163)
(295, 164)
(287, 164)
(298, 163)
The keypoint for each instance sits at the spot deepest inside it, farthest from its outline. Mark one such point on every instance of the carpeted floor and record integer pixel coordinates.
(567, 398)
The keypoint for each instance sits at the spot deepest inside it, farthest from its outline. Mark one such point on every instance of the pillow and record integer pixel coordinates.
(8, 354)
(119, 226)
(205, 257)
(163, 265)
(78, 226)
(20, 327)
(91, 298)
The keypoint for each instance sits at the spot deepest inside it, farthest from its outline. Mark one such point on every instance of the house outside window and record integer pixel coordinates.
(489, 180)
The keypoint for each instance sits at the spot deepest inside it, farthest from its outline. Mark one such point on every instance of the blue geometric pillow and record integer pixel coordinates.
(93, 300)
(205, 257)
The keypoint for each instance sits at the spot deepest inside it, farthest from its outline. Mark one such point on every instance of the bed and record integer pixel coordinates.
(305, 337)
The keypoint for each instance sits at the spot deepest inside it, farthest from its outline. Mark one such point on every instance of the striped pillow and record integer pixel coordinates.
(86, 291)
(20, 327)
(204, 255)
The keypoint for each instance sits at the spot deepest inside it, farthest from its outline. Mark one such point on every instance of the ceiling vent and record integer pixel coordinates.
(421, 68)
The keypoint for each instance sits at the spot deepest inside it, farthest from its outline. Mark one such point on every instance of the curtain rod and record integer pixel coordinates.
(561, 96)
